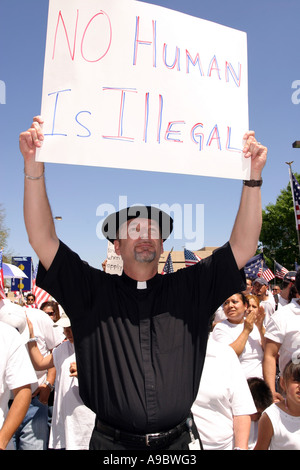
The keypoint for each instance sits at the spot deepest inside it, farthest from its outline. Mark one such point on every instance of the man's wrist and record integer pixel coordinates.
(253, 183)
(48, 384)
(32, 339)
(34, 170)
(255, 175)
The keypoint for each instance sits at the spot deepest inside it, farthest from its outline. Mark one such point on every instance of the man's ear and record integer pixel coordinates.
(117, 247)
(162, 247)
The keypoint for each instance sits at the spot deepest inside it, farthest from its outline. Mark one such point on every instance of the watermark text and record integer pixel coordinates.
(188, 221)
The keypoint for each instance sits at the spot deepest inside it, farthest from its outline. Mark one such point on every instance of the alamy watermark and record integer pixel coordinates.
(295, 347)
(2, 92)
(188, 225)
(296, 94)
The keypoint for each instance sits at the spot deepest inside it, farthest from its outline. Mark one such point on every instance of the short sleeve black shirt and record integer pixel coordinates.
(140, 352)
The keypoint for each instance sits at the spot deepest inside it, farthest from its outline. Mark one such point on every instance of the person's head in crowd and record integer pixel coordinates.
(235, 308)
(138, 233)
(293, 293)
(248, 286)
(51, 308)
(290, 382)
(276, 290)
(13, 315)
(253, 303)
(288, 280)
(30, 299)
(261, 394)
(260, 288)
(65, 323)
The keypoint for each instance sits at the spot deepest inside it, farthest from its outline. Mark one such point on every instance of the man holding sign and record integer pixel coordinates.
(140, 338)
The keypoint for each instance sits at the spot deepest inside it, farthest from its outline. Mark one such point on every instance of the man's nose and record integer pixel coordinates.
(144, 232)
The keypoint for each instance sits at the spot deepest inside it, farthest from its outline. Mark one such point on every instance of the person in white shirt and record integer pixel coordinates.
(261, 290)
(263, 398)
(33, 432)
(279, 426)
(220, 315)
(16, 374)
(248, 289)
(283, 339)
(287, 285)
(224, 402)
(243, 331)
(72, 422)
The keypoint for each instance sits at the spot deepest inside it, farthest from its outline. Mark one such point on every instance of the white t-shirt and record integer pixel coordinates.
(223, 393)
(219, 315)
(48, 337)
(286, 429)
(252, 355)
(284, 328)
(281, 301)
(269, 307)
(16, 369)
(72, 421)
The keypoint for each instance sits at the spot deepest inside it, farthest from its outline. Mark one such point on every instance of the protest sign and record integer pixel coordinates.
(25, 264)
(137, 86)
(114, 263)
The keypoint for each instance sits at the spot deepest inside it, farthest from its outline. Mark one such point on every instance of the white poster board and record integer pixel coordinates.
(114, 263)
(136, 86)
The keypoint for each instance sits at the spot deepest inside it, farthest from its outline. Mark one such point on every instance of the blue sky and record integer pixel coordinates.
(75, 192)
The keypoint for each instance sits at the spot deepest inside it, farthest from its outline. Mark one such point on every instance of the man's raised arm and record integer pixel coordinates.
(37, 212)
(245, 234)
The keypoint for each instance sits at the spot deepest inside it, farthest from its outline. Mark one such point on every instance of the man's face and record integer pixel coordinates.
(259, 289)
(276, 290)
(139, 240)
(30, 300)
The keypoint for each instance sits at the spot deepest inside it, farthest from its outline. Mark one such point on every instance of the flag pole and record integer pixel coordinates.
(292, 189)
(167, 258)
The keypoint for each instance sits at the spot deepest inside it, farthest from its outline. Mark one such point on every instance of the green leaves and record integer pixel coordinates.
(278, 235)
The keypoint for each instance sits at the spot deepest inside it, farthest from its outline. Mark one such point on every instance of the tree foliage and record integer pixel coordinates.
(4, 233)
(278, 235)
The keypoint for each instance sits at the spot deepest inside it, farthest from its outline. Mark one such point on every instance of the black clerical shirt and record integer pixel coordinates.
(140, 347)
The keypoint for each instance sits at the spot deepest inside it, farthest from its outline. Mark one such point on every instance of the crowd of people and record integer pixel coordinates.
(54, 417)
(151, 374)
(249, 395)
(262, 326)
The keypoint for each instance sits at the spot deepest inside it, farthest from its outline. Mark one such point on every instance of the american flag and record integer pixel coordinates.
(168, 267)
(280, 271)
(2, 293)
(266, 273)
(40, 294)
(256, 267)
(296, 199)
(190, 258)
(253, 266)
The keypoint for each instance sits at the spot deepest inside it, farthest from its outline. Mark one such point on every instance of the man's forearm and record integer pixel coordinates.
(239, 344)
(269, 371)
(15, 415)
(37, 212)
(245, 234)
(246, 230)
(241, 427)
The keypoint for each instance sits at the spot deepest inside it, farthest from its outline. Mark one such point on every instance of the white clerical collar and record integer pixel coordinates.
(141, 285)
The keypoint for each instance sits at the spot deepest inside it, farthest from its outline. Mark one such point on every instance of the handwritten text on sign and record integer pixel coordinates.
(136, 86)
